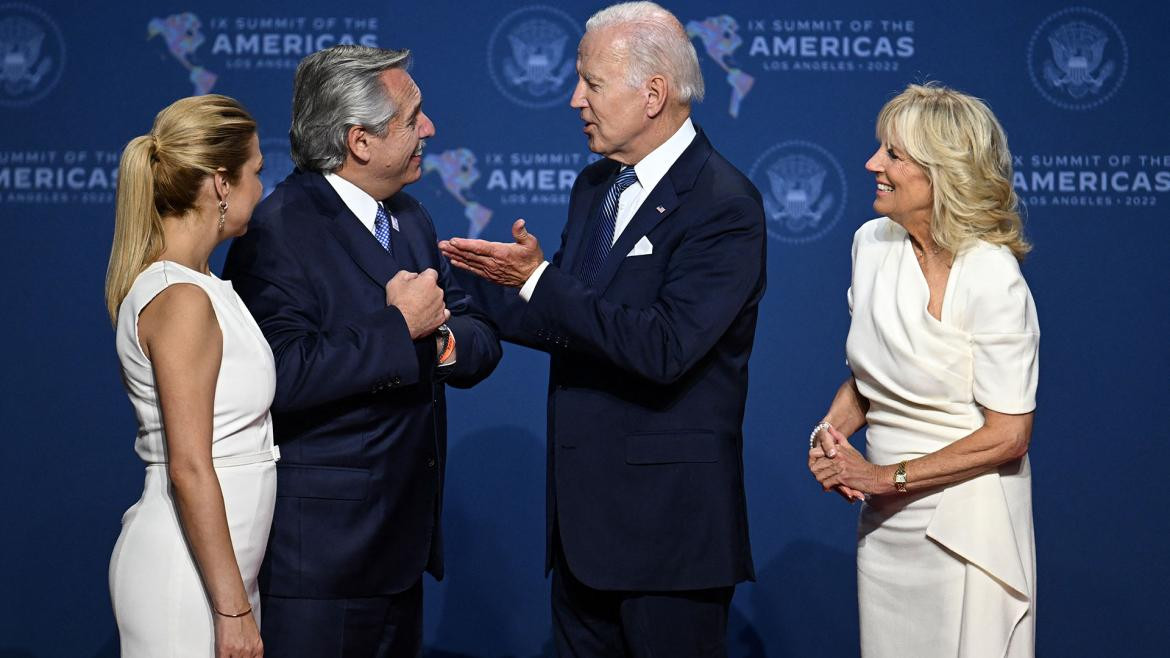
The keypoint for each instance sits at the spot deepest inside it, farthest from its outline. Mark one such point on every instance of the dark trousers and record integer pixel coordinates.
(371, 627)
(590, 623)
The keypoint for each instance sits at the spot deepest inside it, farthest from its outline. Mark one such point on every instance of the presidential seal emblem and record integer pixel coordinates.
(33, 55)
(804, 190)
(532, 56)
(1077, 58)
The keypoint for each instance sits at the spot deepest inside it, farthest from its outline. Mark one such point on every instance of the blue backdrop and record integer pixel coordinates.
(792, 92)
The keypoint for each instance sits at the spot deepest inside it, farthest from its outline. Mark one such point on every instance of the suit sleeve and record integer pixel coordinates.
(477, 342)
(315, 364)
(711, 275)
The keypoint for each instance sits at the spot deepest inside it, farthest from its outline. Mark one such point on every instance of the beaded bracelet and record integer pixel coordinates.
(812, 438)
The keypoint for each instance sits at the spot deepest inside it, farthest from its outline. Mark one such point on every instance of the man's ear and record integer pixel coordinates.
(657, 93)
(358, 142)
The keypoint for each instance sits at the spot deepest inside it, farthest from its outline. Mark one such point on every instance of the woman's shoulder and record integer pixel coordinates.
(879, 231)
(878, 234)
(160, 276)
(992, 290)
(990, 266)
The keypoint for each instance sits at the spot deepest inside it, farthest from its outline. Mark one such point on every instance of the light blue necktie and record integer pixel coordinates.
(606, 220)
(382, 229)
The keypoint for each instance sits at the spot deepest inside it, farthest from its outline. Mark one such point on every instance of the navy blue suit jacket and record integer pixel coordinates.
(649, 379)
(359, 413)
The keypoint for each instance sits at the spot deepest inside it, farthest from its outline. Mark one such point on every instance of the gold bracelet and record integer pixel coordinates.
(235, 616)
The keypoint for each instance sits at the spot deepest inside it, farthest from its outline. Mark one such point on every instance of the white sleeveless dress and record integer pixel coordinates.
(159, 601)
(949, 571)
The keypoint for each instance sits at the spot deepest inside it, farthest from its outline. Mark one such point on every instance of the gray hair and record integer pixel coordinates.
(335, 89)
(655, 43)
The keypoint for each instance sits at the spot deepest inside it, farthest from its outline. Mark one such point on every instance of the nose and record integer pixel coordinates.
(577, 102)
(876, 162)
(426, 128)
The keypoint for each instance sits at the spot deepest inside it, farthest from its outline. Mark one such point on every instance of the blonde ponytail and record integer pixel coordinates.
(161, 173)
(138, 235)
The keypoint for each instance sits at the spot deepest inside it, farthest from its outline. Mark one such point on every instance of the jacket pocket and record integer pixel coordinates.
(687, 446)
(329, 482)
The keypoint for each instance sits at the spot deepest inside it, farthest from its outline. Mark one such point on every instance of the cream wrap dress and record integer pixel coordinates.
(949, 571)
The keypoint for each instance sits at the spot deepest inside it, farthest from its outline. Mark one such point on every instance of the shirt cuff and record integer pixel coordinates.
(529, 286)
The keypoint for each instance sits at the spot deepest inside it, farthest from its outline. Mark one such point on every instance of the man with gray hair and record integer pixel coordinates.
(649, 311)
(366, 325)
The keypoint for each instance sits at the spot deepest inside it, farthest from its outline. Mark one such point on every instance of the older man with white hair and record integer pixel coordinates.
(649, 312)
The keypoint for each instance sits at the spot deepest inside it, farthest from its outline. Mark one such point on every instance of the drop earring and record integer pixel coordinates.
(222, 213)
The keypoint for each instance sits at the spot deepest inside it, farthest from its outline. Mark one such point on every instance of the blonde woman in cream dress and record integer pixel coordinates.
(943, 352)
(200, 376)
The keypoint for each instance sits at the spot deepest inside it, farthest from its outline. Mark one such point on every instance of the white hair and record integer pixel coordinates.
(334, 89)
(655, 43)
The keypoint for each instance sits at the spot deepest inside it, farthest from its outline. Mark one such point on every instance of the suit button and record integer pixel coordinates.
(431, 463)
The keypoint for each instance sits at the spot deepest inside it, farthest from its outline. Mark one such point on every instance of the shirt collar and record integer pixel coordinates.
(361, 204)
(659, 161)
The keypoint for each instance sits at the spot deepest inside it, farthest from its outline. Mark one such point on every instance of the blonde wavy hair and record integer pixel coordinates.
(160, 175)
(964, 152)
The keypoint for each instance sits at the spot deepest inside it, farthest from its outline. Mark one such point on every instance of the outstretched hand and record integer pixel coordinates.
(501, 263)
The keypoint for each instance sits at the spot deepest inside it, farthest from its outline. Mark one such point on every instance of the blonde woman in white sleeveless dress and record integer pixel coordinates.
(200, 376)
(943, 351)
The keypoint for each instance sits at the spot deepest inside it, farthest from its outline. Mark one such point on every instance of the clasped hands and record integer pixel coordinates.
(505, 264)
(838, 466)
(419, 298)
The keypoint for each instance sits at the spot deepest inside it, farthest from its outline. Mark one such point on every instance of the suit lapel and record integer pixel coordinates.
(404, 239)
(662, 196)
(667, 195)
(355, 238)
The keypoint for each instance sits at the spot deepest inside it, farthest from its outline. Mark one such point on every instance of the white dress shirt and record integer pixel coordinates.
(361, 204)
(650, 170)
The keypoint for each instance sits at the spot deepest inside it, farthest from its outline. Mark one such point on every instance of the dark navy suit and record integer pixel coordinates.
(649, 379)
(359, 412)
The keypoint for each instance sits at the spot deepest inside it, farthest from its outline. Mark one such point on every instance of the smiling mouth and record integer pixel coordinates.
(419, 149)
(882, 187)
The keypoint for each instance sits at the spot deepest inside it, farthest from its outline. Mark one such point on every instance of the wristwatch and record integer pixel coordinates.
(900, 478)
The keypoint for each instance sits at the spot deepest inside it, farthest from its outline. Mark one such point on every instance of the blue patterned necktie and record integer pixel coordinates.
(607, 219)
(382, 229)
